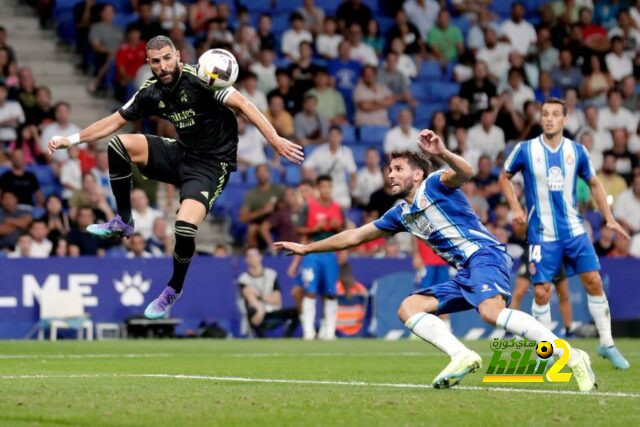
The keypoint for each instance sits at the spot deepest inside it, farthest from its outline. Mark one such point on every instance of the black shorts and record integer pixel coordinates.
(197, 175)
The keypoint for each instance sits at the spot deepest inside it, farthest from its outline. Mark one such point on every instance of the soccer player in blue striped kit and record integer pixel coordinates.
(437, 212)
(551, 165)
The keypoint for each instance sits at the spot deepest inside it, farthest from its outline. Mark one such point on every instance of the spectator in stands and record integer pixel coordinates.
(105, 38)
(169, 13)
(331, 104)
(303, 68)
(372, 100)
(279, 118)
(486, 136)
(625, 160)
(406, 66)
(11, 115)
(71, 174)
(545, 51)
(131, 55)
(137, 247)
(187, 51)
(613, 183)
(545, 88)
(575, 116)
(249, 88)
(372, 37)
(531, 121)
(160, 243)
(627, 31)
(262, 297)
(614, 115)
(29, 142)
(142, 214)
(62, 126)
(517, 30)
(14, 220)
(565, 75)
(90, 194)
(596, 83)
(460, 141)
(292, 38)
(291, 96)
(40, 246)
(345, 72)
(4, 45)
(22, 248)
(42, 113)
(445, 40)
(618, 62)
(309, 126)
(586, 138)
(281, 224)
(353, 12)
(369, 178)
(397, 82)
(259, 203)
(604, 244)
(147, 24)
(265, 71)
(479, 90)
(199, 13)
(476, 36)
(494, 55)
(403, 136)
(620, 248)
(328, 40)
(27, 93)
(594, 36)
(408, 32)
(336, 160)
(458, 114)
(22, 183)
(422, 14)
(56, 218)
(313, 16)
(601, 136)
(61, 249)
(361, 52)
(630, 97)
(85, 14)
(101, 174)
(487, 185)
(251, 145)
(381, 200)
(519, 91)
(267, 38)
(80, 241)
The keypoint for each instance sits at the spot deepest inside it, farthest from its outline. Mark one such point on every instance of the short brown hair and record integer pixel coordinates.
(554, 100)
(415, 160)
(158, 42)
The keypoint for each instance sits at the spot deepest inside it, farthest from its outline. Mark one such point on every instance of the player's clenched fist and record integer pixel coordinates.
(58, 142)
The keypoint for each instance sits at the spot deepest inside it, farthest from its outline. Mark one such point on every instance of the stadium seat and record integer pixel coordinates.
(359, 153)
(443, 91)
(288, 6)
(46, 178)
(292, 175)
(373, 135)
(425, 112)
(250, 178)
(395, 109)
(420, 91)
(257, 6)
(280, 22)
(430, 70)
(329, 6)
(502, 8)
(356, 216)
(348, 134)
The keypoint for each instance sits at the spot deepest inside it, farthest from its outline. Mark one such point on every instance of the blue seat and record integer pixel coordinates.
(430, 70)
(49, 184)
(258, 6)
(502, 8)
(356, 216)
(420, 90)
(235, 178)
(280, 23)
(288, 5)
(251, 178)
(329, 6)
(372, 135)
(425, 112)
(348, 134)
(395, 109)
(292, 175)
(443, 91)
(359, 154)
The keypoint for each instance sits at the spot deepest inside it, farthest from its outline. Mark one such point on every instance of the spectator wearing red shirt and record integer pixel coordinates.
(130, 57)
(594, 36)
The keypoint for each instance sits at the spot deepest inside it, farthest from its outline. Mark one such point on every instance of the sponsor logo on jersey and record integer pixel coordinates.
(555, 180)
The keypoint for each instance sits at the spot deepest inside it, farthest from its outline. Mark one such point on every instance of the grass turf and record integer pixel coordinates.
(102, 383)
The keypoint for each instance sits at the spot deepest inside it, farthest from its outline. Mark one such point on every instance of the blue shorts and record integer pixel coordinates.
(485, 275)
(319, 273)
(546, 259)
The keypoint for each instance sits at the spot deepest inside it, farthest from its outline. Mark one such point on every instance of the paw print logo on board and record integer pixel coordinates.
(132, 289)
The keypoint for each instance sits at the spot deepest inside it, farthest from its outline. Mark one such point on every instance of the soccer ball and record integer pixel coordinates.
(544, 349)
(217, 68)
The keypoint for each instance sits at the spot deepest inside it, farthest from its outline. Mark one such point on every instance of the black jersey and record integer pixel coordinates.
(205, 125)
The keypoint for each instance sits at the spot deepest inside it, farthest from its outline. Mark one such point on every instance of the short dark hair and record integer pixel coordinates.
(61, 104)
(554, 100)
(415, 160)
(158, 42)
(324, 178)
(335, 127)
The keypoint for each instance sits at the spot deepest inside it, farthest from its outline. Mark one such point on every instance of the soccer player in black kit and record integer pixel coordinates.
(199, 163)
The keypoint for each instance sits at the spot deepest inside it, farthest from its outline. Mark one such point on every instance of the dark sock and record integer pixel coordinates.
(120, 177)
(182, 253)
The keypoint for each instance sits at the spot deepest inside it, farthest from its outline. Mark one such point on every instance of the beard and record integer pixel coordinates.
(174, 75)
(403, 189)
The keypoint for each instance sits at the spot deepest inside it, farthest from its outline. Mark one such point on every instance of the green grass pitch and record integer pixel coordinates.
(277, 382)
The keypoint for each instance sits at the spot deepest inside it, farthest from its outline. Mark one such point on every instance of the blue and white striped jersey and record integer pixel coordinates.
(442, 218)
(550, 180)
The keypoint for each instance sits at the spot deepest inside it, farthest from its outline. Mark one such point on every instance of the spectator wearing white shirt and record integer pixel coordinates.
(169, 13)
(495, 54)
(629, 34)
(160, 243)
(40, 246)
(486, 136)
(249, 88)
(142, 214)
(369, 178)
(402, 137)
(575, 116)
(11, 115)
(614, 115)
(372, 99)
(618, 64)
(517, 31)
(292, 38)
(475, 37)
(61, 127)
(422, 14)
(327, 42)
(251, 145)
(601, 135)
(265, 71)
(71, 173)
(313, 16)
(333, 159)
(361, 52)
(22, 247)
(627, 207)
(520, 92)
(406, 66)
(101, 172)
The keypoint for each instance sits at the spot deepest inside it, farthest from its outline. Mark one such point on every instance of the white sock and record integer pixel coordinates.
(520, 323)
(308, 318)
(599, 309)
(331, 317)
(542, 313)
(432, 329)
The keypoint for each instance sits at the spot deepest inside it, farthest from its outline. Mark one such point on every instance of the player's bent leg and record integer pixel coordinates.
(490, 309)
(519, 291)
(416, 313)
(541, 308)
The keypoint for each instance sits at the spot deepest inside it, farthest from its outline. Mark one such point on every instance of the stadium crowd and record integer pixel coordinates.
(352, 81)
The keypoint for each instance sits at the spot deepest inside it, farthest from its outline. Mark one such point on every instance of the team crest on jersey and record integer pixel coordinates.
(555, 180)
(183, 97)
(569, 160)
(161, 104)
(532, 268)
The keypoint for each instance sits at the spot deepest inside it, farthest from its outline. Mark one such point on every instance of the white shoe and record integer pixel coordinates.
(580, 365)
(457, 369)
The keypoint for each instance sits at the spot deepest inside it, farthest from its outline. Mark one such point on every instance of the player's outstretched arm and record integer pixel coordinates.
(519, 217)
(344, 240)
(460, 170)
(284, 147)
(98, 130)
(600, 197)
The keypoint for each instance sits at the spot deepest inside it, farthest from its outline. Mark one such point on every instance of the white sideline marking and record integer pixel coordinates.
(315, 382)
(83, 356)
